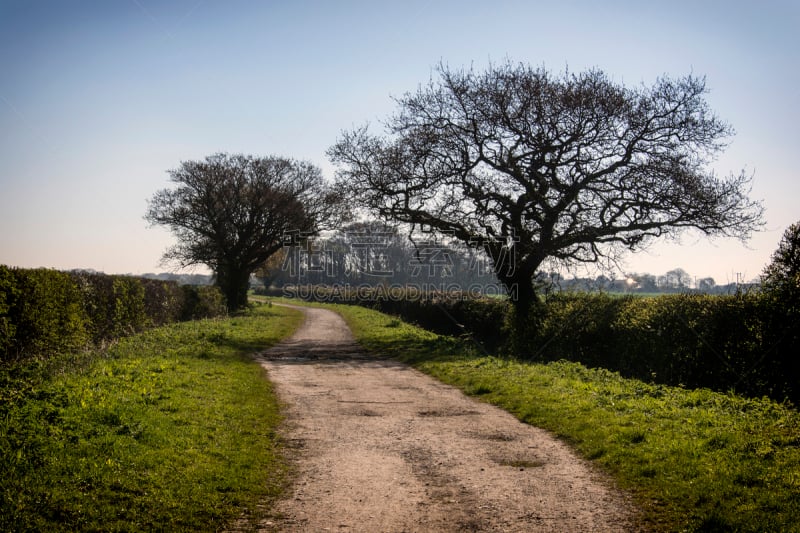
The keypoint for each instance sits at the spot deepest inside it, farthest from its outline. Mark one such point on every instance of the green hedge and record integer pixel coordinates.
(745, 342)
(45, 311)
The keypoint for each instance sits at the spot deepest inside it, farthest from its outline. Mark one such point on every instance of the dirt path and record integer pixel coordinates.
(382, 447)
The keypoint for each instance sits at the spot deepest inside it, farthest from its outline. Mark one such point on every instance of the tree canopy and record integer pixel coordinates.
(782, 275)
(232, 212)
(534, 167)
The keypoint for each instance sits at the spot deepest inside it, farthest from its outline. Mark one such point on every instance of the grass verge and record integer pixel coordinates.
(169, 430)
(695, 460)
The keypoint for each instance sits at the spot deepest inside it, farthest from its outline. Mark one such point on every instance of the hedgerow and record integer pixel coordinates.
(44, 311)
(741, 342)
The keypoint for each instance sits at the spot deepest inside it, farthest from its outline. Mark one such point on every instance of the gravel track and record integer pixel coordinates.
(378, 446)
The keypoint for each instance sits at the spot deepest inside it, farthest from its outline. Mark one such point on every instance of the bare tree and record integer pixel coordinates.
(533, 167)
(232, 212)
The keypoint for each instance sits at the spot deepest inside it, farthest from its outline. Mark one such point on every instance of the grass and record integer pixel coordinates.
(169, 430)
(694, 460)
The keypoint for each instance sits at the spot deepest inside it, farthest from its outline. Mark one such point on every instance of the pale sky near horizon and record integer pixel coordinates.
(98, 99)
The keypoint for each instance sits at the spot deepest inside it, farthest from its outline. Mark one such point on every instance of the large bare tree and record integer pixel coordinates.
(232, 212)
(536, 167)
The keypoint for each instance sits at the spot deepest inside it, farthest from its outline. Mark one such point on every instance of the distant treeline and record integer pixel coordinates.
(675, 281)
(373, 254)
(45, 311)
(182, 279)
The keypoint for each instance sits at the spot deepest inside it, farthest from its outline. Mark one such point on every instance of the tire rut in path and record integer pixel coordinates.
(379, 446)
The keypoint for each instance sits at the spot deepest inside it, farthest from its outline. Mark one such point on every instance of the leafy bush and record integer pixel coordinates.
(450, 314)
(574, 327)
(202, 301)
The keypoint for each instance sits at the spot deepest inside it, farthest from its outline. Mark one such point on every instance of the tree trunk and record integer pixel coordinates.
(234, 283)
(526, 313)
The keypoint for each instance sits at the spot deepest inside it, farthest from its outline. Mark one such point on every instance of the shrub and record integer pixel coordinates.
(202, 301)
(450, 314)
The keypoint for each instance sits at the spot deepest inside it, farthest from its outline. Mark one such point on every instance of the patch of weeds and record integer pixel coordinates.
(636, 436)
(717, 442)
(479, 390)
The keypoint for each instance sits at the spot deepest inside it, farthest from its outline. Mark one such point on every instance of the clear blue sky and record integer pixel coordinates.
(98, 99)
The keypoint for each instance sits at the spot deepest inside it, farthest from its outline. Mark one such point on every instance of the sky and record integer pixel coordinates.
(99, 99)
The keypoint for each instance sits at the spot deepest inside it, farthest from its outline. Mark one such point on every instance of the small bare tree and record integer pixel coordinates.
(533, 167)
(232, 213)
